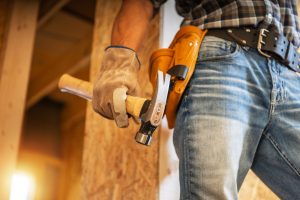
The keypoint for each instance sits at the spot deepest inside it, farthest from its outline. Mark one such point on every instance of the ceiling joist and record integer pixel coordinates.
(47, 82)
(62, 46)
(59, 5)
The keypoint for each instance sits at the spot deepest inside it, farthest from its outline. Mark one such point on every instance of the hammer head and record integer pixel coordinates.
(151, 119)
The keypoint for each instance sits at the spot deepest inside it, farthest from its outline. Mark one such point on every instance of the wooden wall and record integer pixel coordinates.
(16, 54)
(72, 127)
(63, 45)
(72, 130)
(4, 17)
(73, 146)
(114, 165)
(40, 152)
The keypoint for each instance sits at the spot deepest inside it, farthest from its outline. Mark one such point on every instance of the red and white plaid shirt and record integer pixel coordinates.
(206, 14)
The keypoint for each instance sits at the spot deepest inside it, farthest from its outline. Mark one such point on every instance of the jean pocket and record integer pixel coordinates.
(214, 48)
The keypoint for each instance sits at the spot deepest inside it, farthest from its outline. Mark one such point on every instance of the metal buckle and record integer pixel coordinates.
(260, 42)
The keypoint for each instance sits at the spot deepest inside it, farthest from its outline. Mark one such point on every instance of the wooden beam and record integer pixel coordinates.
(13, 84)
(59, 5)
(4, 19)
(114, 165)
(46, 81)
(59, 49)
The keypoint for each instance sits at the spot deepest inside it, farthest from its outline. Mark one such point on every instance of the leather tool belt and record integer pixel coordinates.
(267, 42)
(180, 58)
(179, 61)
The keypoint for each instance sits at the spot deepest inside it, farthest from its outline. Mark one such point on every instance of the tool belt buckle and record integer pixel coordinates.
(262, 34)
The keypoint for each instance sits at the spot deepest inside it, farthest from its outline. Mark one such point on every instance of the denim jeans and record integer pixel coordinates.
(240, 111)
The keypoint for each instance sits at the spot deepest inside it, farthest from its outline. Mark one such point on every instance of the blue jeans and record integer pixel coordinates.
(240, 111)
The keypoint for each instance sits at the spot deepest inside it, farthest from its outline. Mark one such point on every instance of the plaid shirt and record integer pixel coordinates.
(281, 14)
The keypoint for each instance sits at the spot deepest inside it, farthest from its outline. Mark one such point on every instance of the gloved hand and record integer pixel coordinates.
(119, 69)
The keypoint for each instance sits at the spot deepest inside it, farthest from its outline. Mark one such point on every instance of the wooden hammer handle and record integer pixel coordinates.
(76, 86)
(84, 90)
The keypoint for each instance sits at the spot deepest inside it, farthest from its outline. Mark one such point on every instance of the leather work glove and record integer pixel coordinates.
(120, 67)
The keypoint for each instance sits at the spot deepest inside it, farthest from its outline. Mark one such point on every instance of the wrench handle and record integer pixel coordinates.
(84, 89)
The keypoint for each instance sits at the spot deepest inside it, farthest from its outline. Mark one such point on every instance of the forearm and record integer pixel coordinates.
(132, 23)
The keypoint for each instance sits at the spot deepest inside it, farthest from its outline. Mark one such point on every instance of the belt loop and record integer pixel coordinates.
(289, 53)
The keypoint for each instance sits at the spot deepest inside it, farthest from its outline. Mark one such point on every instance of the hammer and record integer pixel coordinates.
(150, 112)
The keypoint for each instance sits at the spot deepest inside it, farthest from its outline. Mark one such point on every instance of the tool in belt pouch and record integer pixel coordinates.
(179, 61)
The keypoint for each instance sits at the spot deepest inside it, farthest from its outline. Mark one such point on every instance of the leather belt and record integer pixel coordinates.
(267, 42)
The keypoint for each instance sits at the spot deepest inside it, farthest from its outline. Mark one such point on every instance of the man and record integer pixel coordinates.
(241, 109)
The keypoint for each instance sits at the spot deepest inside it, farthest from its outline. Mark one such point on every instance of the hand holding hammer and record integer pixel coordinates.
(117, 77)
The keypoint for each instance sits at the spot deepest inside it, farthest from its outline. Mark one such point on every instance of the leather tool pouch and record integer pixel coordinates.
(179, 61)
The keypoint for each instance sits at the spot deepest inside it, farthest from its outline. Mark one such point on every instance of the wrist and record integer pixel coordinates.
(120, 46)
(127, 48)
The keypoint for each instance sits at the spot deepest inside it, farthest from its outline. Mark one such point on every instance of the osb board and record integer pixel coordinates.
(114, 165)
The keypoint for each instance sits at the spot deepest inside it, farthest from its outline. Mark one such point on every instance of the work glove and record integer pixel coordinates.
(120, 67)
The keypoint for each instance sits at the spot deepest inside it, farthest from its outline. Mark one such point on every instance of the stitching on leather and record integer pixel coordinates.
(276, 146)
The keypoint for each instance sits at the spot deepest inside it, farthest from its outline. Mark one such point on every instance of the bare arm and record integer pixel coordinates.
(132, 23)
(120, 66)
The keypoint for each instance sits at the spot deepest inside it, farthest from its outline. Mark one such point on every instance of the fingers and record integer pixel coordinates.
(119, 69)
(114, 110)
(119, 107)
(104, 111)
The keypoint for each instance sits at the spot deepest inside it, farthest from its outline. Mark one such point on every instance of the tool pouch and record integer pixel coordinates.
(179, 61)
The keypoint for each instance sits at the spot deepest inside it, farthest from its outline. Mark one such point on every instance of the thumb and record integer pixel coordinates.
(119, 107)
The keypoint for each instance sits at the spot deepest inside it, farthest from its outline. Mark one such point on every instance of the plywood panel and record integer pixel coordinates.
(114, 165)
(13, 84)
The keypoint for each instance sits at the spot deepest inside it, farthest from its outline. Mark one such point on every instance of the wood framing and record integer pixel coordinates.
(114, 165)
(66, 51)
(51, 12)
(41, 86)
(13, 84)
